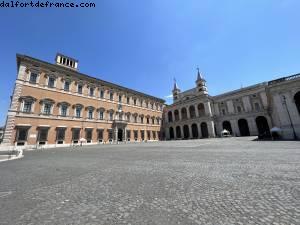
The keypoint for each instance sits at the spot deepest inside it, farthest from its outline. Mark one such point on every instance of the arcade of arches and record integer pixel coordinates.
(192, 131)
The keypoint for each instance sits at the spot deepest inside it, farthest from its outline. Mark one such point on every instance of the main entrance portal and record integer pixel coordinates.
(120, 134)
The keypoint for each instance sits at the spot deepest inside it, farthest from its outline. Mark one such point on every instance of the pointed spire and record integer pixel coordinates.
(175, 85)
(199, 75)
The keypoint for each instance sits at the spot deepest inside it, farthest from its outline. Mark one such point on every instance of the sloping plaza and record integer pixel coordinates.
(206, 181)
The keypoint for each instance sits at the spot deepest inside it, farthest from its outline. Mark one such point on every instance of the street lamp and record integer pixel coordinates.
(288, 112)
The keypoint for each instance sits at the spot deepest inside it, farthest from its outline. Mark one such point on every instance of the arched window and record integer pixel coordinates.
(183, 113)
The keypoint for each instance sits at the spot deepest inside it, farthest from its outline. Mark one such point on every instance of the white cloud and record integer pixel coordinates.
(169, 96)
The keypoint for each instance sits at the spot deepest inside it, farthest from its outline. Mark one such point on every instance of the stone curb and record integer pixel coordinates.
(19, 155)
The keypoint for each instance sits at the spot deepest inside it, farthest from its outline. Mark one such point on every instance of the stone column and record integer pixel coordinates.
(190, 131)
(252, 126)
(211, 129)
(199, 130)
(196, 111)
(179, 112)
(207, 108)
(235, 128)
(181, 130)
(116, 134)
(188, 112)
(125, 134)
(167, 133)
(175, 135)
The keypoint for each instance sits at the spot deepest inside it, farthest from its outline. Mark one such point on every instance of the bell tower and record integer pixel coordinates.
(201, 84)
(175, 91)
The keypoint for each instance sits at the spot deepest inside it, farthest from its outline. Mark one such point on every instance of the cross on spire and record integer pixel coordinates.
(199, 76)
(175, 84)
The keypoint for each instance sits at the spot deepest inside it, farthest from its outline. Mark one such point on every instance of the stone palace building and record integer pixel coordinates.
(252, 110)
(55, 105)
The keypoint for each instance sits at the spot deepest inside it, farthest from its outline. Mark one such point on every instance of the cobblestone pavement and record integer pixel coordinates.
(213, 181)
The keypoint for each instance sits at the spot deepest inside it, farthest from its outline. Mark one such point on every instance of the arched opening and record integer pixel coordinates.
(170, 117)
(297, 101)
(192, 111)
(204, 130)
(176, 115)
(195, 130)
(171, 131)
(227, 126)
(178, 132)
(201, 109)
(243, 127)
(186, 132)
(183, 113)
(262, 126)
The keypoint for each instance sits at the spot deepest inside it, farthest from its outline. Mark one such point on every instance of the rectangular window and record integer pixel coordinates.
(148, 135)
(47, 108)
(101, 115)
(142, 119)
(91, 91)
(79, 89)
(63, 111)
(75, 135)
(51, 82)
(120, 98)
(128, 134)
(134, 101)
(67, 86)
(135, 119)
(147, 120)
(111, 96)
(89, 135)
(33, 78)
(60, 135)
(128, 100)
(27, 106)
(43, 136)
(22, 134)
(111, 116)
(78, 112)
(152, 120)
(101, 94)
(90, 115)
(100, 134)
(128, 117)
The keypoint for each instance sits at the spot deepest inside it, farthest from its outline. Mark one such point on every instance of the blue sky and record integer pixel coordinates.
(145, 44)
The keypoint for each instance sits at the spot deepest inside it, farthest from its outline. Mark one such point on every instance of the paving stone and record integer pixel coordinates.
(213, 181)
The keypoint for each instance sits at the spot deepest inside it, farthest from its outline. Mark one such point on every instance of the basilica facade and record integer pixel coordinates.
(249, 111)
(55, 105)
